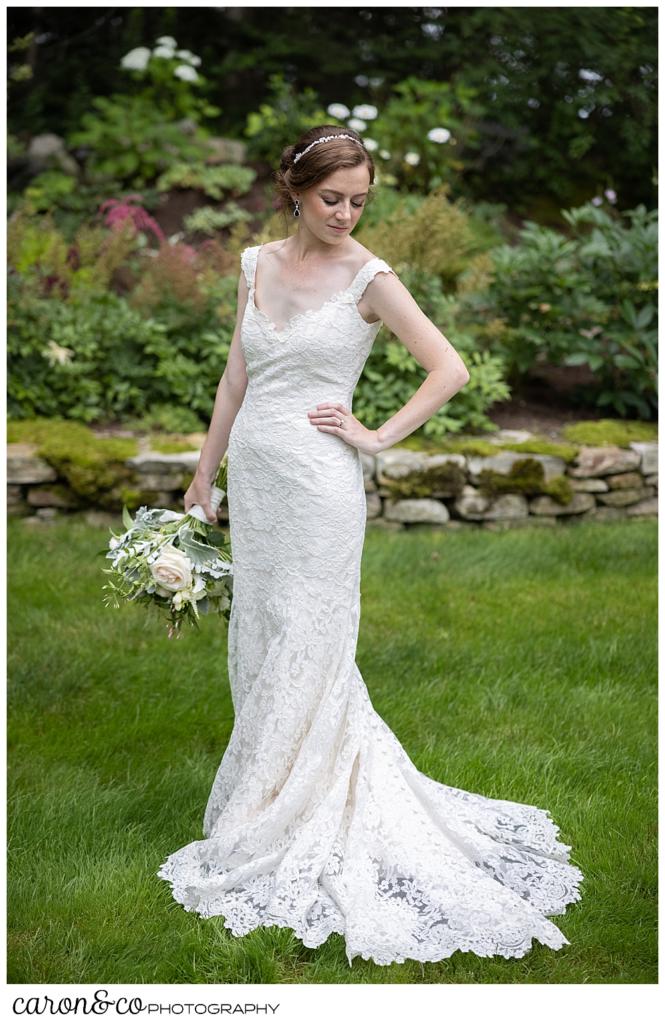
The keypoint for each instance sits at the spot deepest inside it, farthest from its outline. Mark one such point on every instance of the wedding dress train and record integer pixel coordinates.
(317, 819)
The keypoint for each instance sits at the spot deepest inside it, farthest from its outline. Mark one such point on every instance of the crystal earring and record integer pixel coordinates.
(296, 209)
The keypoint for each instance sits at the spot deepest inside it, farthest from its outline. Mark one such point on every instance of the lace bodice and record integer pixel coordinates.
(318, 351)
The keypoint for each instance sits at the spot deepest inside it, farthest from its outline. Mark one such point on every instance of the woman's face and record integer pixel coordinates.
(336, 202)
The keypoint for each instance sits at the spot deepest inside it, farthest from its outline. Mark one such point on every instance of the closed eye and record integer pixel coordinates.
(333, 202)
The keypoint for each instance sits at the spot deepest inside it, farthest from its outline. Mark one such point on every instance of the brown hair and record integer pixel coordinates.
(318, 163)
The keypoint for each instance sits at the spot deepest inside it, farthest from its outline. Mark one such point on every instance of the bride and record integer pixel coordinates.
(317, 819)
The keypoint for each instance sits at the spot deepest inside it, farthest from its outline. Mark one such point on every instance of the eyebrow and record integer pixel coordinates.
(341, 193)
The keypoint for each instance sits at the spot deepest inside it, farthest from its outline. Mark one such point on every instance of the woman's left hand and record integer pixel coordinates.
(335, 418)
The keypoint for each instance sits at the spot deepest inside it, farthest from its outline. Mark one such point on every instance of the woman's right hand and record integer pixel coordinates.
(199, 493)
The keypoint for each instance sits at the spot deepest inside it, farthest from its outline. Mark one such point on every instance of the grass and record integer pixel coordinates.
(521, 665)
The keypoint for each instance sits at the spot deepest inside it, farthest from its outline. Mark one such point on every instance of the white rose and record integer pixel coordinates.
(172, 569)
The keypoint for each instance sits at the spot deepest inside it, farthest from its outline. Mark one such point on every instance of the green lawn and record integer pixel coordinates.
(521, 665)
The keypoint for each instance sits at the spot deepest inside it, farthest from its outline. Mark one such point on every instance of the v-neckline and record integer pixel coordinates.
(302, 314)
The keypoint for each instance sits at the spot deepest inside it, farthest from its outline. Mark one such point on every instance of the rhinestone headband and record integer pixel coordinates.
(325, 138)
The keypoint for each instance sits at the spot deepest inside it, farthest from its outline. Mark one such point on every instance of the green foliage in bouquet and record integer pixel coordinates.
(175, 563)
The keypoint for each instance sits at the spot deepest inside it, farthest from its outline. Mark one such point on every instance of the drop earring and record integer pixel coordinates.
(296, 209)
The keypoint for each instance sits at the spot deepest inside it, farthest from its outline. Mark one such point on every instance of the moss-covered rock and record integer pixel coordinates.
(92, 466)
(134, 497)
(543, 446)
(600, 433)
(526, 477)
(172, 444)
(453, 446)
(445, 479)
(473, 446)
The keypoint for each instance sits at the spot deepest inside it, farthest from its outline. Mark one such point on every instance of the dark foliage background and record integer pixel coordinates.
(533, 149)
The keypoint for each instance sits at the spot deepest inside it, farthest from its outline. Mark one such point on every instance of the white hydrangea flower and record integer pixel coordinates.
(597, 201)
(167, 41)
(137, 59)
(338, 110)
(163, 51)
(438, 135)
(610, 195)
(411, 158)
(186, 73)
(384, 154)
(589, 76)
(55, 353)
(365, 111)
(357, 124)
(370, 144)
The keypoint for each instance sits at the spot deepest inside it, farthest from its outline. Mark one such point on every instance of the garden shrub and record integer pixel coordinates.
(587, 300)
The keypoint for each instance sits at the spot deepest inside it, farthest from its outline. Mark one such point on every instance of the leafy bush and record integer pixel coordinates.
(131, 141)
(48, 189)
(421, 132)
(285, 114)
(43, 262)
(97, 358)
(425, 233)
(213, 180)
(208, 220)
(166, 423)
(583, 300)
(169, 79)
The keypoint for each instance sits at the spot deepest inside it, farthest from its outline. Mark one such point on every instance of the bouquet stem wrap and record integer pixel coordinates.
(216, 496)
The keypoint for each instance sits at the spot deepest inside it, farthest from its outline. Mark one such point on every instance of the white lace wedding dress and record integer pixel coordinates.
(317, 819)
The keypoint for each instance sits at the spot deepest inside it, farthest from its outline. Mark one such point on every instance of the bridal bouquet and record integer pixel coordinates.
(177, 562)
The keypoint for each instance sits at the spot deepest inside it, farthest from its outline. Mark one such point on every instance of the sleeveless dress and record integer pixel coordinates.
(317, 819)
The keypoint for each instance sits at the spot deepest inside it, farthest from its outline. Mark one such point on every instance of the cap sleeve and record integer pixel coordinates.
(248, 263)
(367, 273)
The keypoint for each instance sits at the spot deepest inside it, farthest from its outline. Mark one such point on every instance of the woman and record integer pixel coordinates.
(317, 819)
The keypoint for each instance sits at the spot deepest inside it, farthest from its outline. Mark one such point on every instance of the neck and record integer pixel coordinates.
(304, 246)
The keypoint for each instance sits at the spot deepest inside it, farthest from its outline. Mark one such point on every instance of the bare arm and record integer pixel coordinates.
(229, 397)
(446, 371)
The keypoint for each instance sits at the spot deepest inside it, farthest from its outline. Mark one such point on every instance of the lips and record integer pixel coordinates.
(336, 228)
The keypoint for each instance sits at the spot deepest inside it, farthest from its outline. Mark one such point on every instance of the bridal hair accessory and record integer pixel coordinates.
(325, 138)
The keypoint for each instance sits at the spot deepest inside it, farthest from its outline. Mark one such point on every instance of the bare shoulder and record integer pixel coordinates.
(363, 255)
(269, 247)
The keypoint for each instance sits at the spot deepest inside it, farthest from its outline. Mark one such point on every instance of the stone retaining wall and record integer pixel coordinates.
(403, 487)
